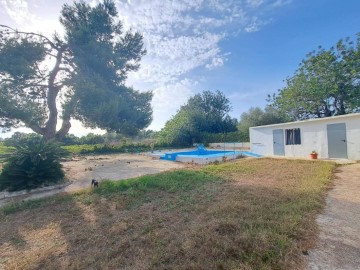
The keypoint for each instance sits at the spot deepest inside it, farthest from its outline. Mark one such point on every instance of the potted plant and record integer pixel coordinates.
(313, 155)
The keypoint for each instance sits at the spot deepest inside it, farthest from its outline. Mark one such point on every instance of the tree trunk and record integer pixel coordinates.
(50, 125)
(65, 127)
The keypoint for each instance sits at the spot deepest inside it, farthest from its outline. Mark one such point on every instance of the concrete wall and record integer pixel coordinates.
(313, 137)
(206, 160)
(230, 146)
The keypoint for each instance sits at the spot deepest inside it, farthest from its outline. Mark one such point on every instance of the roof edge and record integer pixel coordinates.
(350, 115)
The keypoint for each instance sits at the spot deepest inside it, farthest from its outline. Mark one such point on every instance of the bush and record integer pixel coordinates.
(33, 164)
(235, 136)
(21, 138)
(107, 148)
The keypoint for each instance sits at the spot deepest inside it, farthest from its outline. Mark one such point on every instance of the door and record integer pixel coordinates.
(278, 137)
(337, 145)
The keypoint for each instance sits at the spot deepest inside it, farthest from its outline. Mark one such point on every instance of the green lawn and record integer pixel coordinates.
(5, 149)
(248, 214)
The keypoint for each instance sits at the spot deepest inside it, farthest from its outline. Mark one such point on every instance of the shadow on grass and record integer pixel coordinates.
(176, 220)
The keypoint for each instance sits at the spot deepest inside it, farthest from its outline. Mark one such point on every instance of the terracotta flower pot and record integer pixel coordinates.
(313, 155)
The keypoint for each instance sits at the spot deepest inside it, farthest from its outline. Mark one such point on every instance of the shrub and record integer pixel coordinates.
(33, 164)
(108, 148)
(21, 138)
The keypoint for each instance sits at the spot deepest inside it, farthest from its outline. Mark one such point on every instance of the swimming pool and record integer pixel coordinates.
(202, 156)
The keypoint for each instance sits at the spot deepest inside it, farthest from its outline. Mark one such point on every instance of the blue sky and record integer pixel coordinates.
(245, 48)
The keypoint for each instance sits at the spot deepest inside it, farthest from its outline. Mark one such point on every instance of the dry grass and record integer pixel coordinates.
(248, 214)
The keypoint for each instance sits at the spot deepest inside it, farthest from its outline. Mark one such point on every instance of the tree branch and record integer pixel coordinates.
(36, 128)
(65, 127)
(50, 125)
(31, 34)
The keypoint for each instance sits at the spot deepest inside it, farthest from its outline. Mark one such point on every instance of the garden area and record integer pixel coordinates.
(246, 214)
(145, 212)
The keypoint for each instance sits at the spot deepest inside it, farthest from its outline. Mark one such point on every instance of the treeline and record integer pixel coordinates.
(90, 139)
(327, 83)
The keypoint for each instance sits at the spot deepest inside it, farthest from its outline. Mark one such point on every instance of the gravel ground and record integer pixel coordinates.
(338, 246)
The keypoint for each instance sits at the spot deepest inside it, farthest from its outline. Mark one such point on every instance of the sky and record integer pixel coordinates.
(244, 48)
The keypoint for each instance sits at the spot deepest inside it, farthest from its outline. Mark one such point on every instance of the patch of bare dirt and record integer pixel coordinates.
(338, 245)
(112, 167)
(81, 170)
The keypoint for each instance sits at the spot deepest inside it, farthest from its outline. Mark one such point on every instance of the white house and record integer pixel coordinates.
(335, 137)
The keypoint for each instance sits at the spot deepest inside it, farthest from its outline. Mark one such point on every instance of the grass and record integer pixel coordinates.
(248, 214)
(77, 149)
(5, 151)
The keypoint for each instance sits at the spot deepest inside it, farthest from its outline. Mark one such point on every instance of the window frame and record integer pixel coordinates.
(293, 136)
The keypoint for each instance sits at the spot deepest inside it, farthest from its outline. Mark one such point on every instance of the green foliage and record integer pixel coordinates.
(4, 149)
(107, 148)
(19, 138)
(204, 113)
(108, 138)
(258, 117)
(102, 98)
(176, 181)
(32, 165)
(19, 57)
(326, 84)
(19, 60)
(235, 136)
(92, 139)
(180, 130)
(90, 65)
(209, 112)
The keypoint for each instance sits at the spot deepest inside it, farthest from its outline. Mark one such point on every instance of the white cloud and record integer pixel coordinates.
(183, 36)
(280, 3)
(254, 25)
(168, 59)
(254, 3)
(168, 99)
(215, 62)
(18, 11)
(180, 36)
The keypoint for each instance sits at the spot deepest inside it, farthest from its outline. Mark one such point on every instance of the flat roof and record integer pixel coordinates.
(350, 115)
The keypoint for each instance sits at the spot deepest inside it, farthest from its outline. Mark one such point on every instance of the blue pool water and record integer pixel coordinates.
(202, 153)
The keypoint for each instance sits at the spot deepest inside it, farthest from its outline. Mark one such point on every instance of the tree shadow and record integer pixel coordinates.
(217, 226)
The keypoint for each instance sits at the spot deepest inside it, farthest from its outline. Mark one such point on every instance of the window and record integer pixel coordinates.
(293, 136)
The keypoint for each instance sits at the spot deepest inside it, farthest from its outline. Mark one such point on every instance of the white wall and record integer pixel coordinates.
(313, 137)
(237, 145)
(353, 139)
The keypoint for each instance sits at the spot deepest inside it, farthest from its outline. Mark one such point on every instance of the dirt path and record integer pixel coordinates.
(113, 167)
(339, 241)
(81, 170)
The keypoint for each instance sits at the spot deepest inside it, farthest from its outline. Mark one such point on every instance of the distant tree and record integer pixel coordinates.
(146, 134)
(112, 137)
(327, 83)
(258, 117)
(92, 138)
(180, 130)
(209, 112)
(203, 113)
(70, 139)
(85, 71)
(19, 138)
